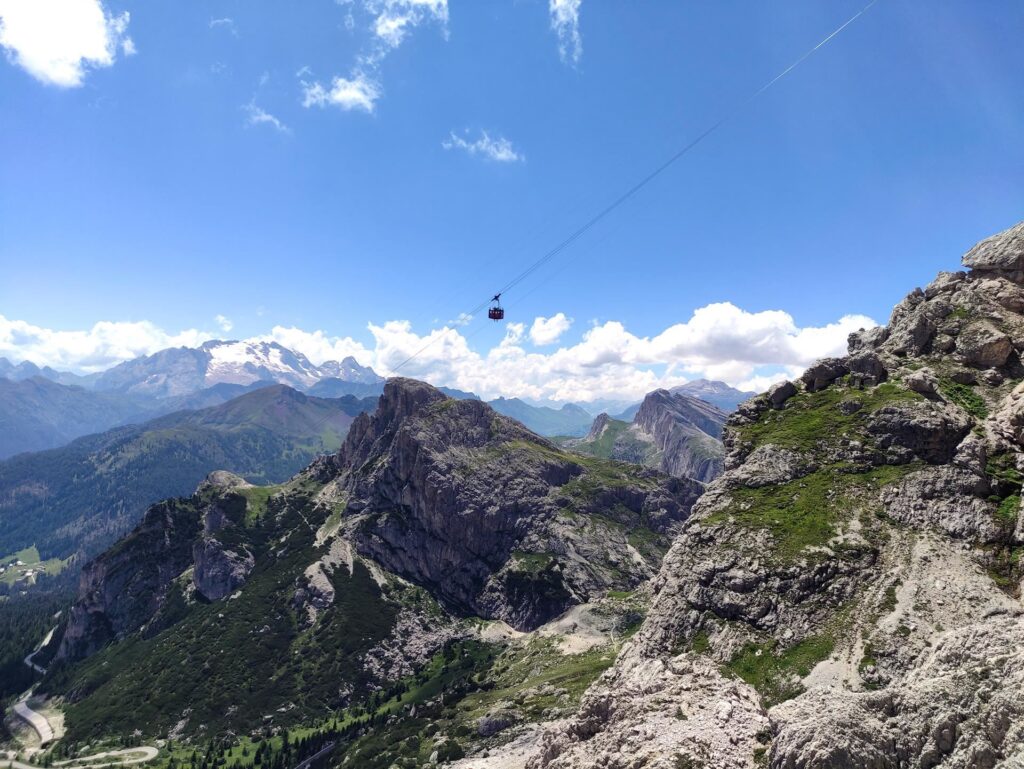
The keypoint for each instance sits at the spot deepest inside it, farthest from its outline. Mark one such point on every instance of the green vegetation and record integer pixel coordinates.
(26, 620)
(435, 709)
(257, 498)
(533, 563)
(81, 497)
(148, 683)
(1001, 467)
(775, 674)
(889, 603)
(1006, 513)
(811, 419)
(804, 513)
(964, 396)
(26, 566)
(701, 643)
(616, 433)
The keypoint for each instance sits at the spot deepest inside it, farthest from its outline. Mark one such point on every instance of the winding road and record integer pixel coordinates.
(36, 720)
(125, 757)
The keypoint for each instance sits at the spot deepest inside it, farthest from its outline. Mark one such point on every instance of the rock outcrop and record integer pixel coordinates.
(673, 432)
(855, 568)
(124, 590)
(494, 520)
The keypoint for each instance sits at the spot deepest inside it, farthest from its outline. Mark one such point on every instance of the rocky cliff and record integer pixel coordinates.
(847, 594)
(496, 521)
(671, 431)
(124, 590)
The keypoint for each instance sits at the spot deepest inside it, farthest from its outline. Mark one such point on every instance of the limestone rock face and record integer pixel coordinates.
(686, 432)
(121, 590)
(218, 572)
(857, 566)
(671, 431)
(1001, 255)
(492, 518)
(124, 590)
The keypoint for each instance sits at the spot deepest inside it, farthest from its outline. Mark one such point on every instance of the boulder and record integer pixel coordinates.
(982, 345)
(922, 381)
(910, 336)
(1001, 254)
(823, 373)
(867, 369)
(780, 392)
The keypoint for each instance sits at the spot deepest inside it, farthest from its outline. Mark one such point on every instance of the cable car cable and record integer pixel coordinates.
(590, 223)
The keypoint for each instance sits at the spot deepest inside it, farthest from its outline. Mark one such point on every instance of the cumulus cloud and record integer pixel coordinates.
(394, 19)
(59, 41)
(391, 22)
(318, 346)
(498, 148)
(719, 341)
(548, 330)
(224, 322)
(359, 92)
(105, 344)
(565, 21)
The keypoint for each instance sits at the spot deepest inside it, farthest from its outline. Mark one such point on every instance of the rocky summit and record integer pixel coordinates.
(494, 520)
(847, 593)
(672, 431)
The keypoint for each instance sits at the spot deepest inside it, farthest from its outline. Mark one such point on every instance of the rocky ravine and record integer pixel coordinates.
(847, 594)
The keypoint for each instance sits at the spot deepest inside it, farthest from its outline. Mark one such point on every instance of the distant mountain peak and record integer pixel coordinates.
(719, 394)
(184, 370)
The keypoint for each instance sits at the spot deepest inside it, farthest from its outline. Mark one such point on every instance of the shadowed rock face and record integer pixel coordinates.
(491, 517)
(857, 565)
(686, 431)
(124, 589)
(126, 586)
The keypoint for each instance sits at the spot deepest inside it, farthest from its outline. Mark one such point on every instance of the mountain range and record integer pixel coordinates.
(77, 499)
(450, 589)
(435, 512)
(42, 408)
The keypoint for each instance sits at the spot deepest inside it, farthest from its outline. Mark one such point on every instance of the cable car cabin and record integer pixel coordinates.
(495, 312)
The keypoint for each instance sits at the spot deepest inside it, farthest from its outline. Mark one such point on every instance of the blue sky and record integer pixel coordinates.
(205, 160)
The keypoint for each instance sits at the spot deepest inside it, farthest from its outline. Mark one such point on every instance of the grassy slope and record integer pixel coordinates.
(85, 494)
(234, 661)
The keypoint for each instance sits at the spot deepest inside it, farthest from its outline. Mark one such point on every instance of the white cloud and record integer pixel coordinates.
(390, 24)
(58, 41)
(565, 21)
(225, 323)
(498, 149)
(227, 24)
(718, 341)
(258, 116)
(360, 92)
(318, 346)
(548, 330)
(395, 18)
(105, 344)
